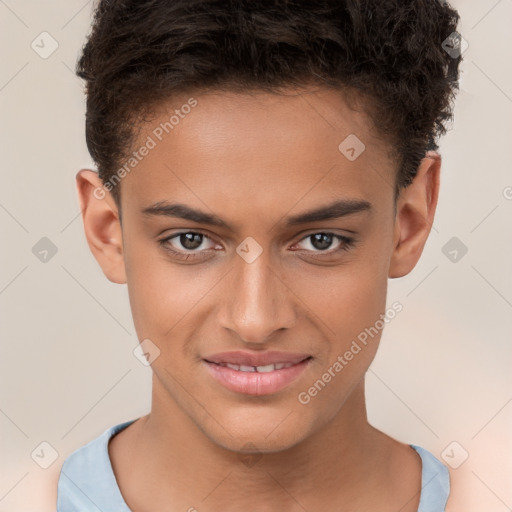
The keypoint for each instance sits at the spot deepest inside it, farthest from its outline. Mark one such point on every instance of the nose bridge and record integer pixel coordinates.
(259, 303)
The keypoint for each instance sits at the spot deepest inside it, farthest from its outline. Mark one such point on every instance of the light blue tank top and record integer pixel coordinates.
(87, 482)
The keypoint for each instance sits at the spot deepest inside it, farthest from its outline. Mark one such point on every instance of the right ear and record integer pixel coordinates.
(101, 224)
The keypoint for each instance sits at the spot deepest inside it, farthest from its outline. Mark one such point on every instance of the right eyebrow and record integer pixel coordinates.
(166, 209)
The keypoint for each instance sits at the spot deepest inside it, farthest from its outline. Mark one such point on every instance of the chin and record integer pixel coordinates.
(258, 444)
(249, 432)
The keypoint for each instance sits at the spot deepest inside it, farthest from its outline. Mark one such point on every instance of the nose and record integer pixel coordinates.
(257, 301)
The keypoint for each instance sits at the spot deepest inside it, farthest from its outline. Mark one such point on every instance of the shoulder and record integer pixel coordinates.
(435, 482)
(86, 478)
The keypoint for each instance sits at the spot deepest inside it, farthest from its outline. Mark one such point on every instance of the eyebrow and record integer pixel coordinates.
(335, 210)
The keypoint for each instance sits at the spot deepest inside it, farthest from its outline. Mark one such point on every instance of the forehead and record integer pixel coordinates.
(260, 149)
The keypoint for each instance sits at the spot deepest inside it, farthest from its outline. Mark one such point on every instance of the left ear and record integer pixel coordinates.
(416, 206)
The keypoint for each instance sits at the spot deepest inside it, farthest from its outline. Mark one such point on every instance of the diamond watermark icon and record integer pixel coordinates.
(250, 455)
(146, 352)
(351, 147)
(44, 455)
(249, 249)
(454, 250)
(455, 45)
(44, 45)
(44, 250)
(454, 455)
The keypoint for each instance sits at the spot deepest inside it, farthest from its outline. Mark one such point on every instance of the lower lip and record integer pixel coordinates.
(255, 383)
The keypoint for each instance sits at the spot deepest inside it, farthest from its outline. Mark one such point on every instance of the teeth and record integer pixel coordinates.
(260, 369)
(267, 368)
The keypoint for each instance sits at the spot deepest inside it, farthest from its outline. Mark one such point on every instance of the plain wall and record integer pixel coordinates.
(443, 371)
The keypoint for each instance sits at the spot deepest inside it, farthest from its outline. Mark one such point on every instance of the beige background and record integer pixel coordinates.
(443, 372)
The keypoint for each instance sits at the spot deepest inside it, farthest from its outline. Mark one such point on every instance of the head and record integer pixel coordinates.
(264, 169)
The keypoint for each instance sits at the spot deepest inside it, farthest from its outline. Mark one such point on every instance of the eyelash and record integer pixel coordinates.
(346, 244)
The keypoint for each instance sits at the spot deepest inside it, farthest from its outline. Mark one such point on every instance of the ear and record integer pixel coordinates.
(416, 206)
(102, 225)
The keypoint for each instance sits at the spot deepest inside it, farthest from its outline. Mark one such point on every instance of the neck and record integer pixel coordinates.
(339, 459)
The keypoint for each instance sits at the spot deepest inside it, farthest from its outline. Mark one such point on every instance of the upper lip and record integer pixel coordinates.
(256, 358)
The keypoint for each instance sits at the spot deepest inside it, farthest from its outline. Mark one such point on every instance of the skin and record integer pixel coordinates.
(254, 160)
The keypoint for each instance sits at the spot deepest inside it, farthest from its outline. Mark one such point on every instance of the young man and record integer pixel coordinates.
(264, 168)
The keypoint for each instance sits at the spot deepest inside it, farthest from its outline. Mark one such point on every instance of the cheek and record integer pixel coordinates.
(172, 306)
(347, 298)
(349, 309)
(160, 292)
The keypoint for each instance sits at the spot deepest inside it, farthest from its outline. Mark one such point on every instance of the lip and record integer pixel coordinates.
(256, 383)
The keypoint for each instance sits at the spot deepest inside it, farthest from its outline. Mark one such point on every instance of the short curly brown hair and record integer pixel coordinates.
(390, 52)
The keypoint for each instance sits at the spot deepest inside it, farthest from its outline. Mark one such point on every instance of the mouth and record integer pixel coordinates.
(256, 374)
(260, 369)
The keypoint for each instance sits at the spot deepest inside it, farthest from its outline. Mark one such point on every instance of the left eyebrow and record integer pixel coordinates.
(335, 210)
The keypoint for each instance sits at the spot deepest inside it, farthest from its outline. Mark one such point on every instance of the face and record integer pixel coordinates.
(257, 250)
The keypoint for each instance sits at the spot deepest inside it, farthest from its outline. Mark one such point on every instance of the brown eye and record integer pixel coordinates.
(324, 241)
(187, 244)
(190, 240)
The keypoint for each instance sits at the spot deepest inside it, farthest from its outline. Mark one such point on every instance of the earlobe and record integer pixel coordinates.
(102, 226)
(416, 207)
